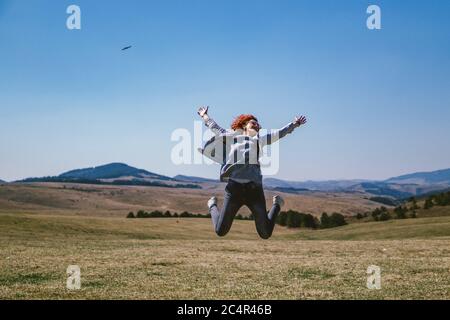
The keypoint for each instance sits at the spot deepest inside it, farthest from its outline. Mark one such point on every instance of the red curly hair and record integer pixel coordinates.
(240, 121)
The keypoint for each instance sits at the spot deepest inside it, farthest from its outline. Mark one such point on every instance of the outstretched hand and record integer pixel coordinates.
(298, 121)
(203, 111)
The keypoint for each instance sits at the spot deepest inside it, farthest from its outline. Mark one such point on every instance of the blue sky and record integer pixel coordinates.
(378, 101)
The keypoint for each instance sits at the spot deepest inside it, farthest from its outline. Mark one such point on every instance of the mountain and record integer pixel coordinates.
(383, 189)
(326, 185)
(289, 190)
(375, 188)
(401, 187)
(112, 171)
(408, 185)
(1, 181)
(181, 177)
(115, 174)
(395, 188)
(433, 177)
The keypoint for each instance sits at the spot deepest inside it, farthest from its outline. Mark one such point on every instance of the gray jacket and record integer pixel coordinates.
(239, 154)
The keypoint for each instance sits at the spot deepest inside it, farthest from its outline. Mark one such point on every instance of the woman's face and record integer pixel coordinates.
(252, 127)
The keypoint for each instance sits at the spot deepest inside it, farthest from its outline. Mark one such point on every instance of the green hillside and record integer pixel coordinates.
(419, 228)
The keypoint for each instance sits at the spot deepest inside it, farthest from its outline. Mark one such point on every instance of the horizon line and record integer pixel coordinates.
(267, 177)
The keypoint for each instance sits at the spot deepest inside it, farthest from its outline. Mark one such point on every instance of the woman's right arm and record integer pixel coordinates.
(210, 123)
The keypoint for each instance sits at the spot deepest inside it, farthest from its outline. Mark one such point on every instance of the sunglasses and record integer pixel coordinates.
(254, 122)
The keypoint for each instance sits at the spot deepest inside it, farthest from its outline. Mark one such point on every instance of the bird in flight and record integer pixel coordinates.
(126, 48)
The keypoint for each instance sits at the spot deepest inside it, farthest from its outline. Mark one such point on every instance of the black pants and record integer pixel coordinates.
(252, 195)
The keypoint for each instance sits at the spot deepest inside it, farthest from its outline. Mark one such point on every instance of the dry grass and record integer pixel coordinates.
(89, 200)
(163, 259)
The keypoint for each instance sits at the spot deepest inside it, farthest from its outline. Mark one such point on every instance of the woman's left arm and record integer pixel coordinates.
(276, 135)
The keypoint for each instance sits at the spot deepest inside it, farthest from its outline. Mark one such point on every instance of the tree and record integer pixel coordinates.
(337, 220)
(141, 214)
(442, 199)
(185, 214)
(414, 205)
(400, 212)
(428, 203)
(325, 220)
(359, 216)
(309, 221)
(156, 214)
(384, 216)
(130, 215)
(281, 218)
(376, 214)
(293, 219)
(316, 222)
(167, 214)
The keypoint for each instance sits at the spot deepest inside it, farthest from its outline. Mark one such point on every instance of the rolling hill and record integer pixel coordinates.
(433, 177)
(326, 185)
(117, 200)
(405, 186)
(181, 177)
(112, 171)
(115, 174)
(396, 188)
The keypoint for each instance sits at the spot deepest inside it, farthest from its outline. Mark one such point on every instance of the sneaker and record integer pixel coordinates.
(278, 200)
(212, 202)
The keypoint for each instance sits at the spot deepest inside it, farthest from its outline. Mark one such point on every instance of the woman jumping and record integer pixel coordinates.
(238, 151)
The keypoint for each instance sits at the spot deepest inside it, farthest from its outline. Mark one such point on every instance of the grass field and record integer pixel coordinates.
(169, 258)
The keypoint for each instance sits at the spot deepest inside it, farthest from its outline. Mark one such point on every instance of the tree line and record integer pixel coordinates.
(294, 219)
(133, 182)
(169, 214)
(409, 208)
(440, 199)
(290, 219)
(165, 214)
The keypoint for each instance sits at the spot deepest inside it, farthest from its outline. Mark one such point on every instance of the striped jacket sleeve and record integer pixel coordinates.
(275, 135)
(211, 124)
